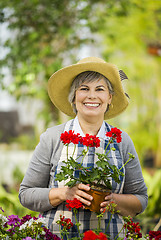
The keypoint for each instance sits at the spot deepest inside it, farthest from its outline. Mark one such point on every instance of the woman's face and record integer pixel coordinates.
(92, 99)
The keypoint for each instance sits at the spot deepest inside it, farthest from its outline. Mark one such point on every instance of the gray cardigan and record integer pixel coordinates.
(34, 190)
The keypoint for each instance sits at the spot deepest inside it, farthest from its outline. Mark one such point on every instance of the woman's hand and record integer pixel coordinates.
(108, 199)
(127, 204)
(80, 191)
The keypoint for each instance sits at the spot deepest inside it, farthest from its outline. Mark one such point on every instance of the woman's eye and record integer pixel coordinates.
(99, 89)
(84, 88)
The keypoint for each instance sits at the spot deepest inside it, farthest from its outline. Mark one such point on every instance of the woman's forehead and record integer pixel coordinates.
(100, 81)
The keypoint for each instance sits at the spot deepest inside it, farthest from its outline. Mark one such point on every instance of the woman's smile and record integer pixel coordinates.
(90, 104)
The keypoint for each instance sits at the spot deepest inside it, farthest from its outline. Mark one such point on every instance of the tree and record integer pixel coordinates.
(130, 30)
(44, 34)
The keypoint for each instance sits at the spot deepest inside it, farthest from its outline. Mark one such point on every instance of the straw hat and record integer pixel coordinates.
(60, 82)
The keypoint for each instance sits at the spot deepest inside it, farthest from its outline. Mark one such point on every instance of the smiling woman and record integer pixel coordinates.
(90, 91)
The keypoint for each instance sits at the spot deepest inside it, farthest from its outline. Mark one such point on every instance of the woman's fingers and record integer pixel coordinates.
(109, 197)
(107, 201)
(85, 198)
(80, 192)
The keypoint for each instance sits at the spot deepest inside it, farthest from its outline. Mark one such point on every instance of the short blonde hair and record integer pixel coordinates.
(88, 76)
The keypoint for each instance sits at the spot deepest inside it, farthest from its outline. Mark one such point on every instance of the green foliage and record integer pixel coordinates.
(45, 32)
(98, 176)
(127, 31)
(154, 193)
(152, 213)
(9, 200)
(10, 203)
(17, 175)
(25, 142)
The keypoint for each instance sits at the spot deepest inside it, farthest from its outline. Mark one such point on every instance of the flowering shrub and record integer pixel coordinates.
(32, 228)
(27, 228)
(132, 229)
(154, 235)
(98, 176)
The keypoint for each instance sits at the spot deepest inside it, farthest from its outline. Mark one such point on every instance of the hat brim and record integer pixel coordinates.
(60, 82)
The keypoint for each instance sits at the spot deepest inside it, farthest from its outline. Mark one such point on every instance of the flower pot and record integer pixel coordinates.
(98, 197)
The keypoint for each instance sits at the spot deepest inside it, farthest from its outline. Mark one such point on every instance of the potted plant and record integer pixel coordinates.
(98, 177)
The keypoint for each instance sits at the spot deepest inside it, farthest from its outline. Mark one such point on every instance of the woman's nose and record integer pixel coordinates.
(91, 94)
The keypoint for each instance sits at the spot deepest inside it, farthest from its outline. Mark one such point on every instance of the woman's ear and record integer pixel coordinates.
(110, 99)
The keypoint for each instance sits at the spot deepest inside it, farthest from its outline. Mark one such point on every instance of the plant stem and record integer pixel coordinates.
(84, 155)
(74, 150)
(99, 223)
(67, 235)
(79, 157)
(106, 147)
(119, 233)
(108, 223)
(67, 151)
(76, 222)
(36, 233)
(125, 163)
(108, 153)
(61, 234)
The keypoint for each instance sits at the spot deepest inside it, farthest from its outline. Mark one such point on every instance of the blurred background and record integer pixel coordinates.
(39, 37)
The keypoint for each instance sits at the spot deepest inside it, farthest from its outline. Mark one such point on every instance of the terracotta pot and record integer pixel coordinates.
(98, 198)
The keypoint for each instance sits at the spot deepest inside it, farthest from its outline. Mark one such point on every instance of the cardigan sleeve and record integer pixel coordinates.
(34, 190)
(134, 181)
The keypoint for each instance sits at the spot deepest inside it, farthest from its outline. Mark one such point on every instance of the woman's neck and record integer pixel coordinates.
(90, 126)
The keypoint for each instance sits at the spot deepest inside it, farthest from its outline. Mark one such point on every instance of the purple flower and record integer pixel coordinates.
(49, 235)
(25, 219)
(28, 238)
(12, 219)
(1, 209)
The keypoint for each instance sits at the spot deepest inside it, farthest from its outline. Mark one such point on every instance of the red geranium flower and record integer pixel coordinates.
(154, 235)
(90, 141)
(70, 137)
(90, 235)
(75, 203)
(66, 223)
(115, 133)
(133, 228)
(102, 236)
